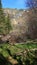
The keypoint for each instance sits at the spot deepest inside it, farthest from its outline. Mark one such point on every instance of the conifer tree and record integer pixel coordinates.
(2, 20)
(5, 26)
(8, 25)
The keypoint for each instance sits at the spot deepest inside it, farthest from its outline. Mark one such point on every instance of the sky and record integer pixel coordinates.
(13, 4)
(19, 4)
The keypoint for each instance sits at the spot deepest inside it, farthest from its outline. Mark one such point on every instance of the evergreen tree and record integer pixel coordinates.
(8, 25)
(0, 4)
(2, 20)
(5, 26)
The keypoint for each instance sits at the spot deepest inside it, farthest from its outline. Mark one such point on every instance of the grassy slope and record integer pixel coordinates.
(16, 48)
(9, 52)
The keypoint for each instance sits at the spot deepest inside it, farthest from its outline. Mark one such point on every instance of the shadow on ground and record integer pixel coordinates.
(4, 61)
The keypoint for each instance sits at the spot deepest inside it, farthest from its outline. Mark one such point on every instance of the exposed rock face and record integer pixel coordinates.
(14, 16)
(24, 21)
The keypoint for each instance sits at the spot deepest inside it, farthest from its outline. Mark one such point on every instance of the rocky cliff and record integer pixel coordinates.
(23, 21)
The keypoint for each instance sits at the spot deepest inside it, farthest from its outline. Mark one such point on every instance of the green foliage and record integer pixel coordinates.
(5, 26)
(30, 58)
(8, 25)
(0, 4)
(2, 20)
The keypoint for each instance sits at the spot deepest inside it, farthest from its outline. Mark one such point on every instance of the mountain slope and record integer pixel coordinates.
(24, 22)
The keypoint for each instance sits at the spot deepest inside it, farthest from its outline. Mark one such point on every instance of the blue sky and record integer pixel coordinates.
(13, 4)
(18, 3)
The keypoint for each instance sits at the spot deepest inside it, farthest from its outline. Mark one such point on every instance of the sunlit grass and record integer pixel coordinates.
(15, 48)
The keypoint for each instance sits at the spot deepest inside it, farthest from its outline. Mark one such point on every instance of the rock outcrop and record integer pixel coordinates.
(24, 21)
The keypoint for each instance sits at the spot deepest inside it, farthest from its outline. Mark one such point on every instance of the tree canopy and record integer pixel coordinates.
(31, 3)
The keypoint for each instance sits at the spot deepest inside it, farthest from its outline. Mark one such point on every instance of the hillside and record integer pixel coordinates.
(23, 19)
(18, 47)
(24, 24)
